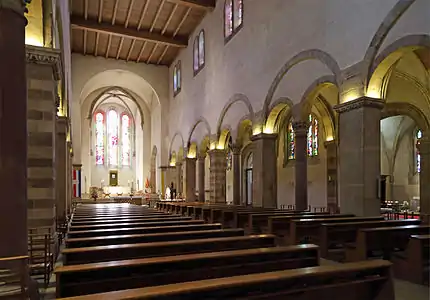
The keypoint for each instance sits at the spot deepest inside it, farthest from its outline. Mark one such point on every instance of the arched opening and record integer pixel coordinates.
(248, 179)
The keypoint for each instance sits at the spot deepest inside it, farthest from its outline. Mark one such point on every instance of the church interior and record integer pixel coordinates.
(215, 149)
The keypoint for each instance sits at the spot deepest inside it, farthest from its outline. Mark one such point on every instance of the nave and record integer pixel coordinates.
(179, 250)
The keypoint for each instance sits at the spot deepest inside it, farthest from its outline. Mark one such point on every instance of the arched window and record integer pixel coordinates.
(312, 140)
(99, 124)
(126, 141)
(417, 139)
(199, 52)
(233, 17)
(112, 132)
(177, 78)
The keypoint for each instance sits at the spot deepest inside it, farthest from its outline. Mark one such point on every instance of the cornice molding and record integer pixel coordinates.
(18, 6)
(262, 136)
(359, 103)
(45, 56)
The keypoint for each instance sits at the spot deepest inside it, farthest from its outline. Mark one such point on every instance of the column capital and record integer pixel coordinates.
(178, 164)
(329, 143)
(300, 128)
(18, 6)
(216, 152)
(45, 56)
(359, 103)
(236, 149)
(264, 136)
(190, 159)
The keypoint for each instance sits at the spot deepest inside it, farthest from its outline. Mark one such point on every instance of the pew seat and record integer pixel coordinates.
(155, 223)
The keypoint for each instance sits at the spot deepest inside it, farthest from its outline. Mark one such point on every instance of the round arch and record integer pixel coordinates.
(401, 108)
(202, 121)
(177, 135)
(277, 110)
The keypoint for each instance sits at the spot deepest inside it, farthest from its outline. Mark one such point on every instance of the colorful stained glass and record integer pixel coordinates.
(313, 136)
(238, 13)
(175, 79)
(112, 131)
(201, 49)
(291, 144)
(125, 139)
(228, 18)
(418, 137)
(178, 76)
(196, 54)
(100, 138)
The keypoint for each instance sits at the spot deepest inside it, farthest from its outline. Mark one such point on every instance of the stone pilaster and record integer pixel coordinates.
(301, 164)
(61, 161)
(217, 170)
(359, 156)
(236, 175)
(201, 178)
(331, 153)
(69, 178)
(264, 179)
(190, 178)
(179, 179)
(424, 149)
(43, 71)
(13, 130)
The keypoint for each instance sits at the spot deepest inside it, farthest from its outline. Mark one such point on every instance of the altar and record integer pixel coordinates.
(117, 190)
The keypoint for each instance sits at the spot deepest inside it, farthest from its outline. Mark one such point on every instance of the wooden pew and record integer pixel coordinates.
(229, 216)
(117, 215)
(257, 222)
(307, 230)
(280, 225)
(127, 220)
(382, 241)
(85, 255)
(159, 222)
(149, 238)
(334, 236)
(140, 230)
(370, 280)
(74, 219)
(413, 265)
(115, 275)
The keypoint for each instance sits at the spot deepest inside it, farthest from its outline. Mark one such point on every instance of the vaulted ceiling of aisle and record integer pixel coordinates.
(149, 31)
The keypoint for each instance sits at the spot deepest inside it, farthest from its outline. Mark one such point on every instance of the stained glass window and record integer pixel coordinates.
(418, 137)
(196, 54)
(201, 49)
(313, 136)
(238, 13)
(175, 79)
(100, 138)
(228, 18)
(290, 142)
(112, 131)
(179, 75)
(126, 141)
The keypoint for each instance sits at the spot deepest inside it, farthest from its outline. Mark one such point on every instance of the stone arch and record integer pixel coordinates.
(202, 121)
(225, 134)
(235, 98)
(387, 59)
(387, 24)
(244, 128)
(402, 108)
(178, 135)
(276, 111)
(316, 54)
(95, 102)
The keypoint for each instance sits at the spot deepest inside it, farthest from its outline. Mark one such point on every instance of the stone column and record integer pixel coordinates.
(201, 178)
(424, 149)
(13, 130)
(190, 177)
(264, 178)
(179, 179)
(61, 161)
(43, 72)
(236, 175)
(359, 156)
(69, 178)
(218, 165)
(301, 164)
(331, 153)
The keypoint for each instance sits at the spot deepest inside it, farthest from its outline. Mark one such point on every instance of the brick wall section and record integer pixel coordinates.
(217, 177)
(41, 116)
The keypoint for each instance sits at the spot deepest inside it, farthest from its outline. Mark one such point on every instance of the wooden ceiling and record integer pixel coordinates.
(149, 31)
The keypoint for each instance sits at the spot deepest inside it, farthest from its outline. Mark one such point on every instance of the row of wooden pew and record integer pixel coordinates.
(341, 237)
(116, 251)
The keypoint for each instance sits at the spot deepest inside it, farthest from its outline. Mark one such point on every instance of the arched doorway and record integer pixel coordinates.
(248, 179)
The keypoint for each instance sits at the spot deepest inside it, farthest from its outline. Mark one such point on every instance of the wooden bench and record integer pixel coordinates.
(117, 275)
(229, 217)
(413, 265)
(257, 222)
(73, 256)
(307, 230)
(132, 220)
(354, 281)
(149, 238)
(158, 223)
(383, 241)
(280, 225)
(334, 236)
(138, 230)
(117, 216)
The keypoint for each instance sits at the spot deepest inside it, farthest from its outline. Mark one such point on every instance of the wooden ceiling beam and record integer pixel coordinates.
(81, 23)
(202, 4)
